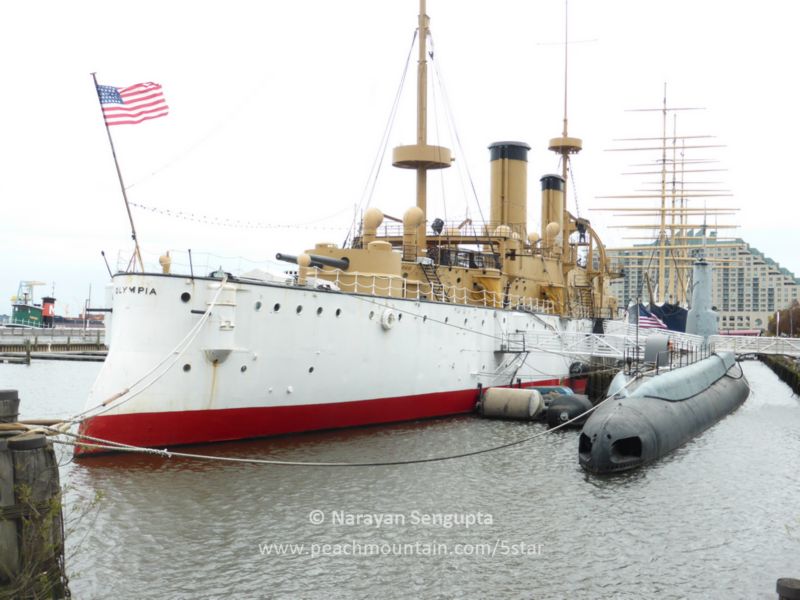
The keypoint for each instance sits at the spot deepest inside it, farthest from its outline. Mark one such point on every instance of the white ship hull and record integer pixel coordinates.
(272, 359)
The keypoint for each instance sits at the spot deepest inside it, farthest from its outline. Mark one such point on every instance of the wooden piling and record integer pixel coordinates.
(788, 588)
(31, 520)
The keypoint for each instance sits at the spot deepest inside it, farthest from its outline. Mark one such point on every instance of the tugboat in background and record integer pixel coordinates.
(26, 313)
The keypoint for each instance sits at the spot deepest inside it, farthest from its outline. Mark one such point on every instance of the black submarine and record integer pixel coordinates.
(653, 408)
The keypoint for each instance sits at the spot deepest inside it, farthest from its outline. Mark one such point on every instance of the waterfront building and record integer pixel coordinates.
(747, 286)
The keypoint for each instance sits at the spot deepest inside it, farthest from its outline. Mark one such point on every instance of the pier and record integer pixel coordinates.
(21, 344)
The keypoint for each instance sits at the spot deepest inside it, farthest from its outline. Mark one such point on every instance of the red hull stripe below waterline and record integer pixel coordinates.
(167, 429)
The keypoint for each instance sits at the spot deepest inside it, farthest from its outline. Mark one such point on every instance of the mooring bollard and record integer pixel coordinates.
(31, 520)
(788, 588)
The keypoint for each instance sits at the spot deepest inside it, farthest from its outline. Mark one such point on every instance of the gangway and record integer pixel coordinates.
(746, 344)
(620, 340)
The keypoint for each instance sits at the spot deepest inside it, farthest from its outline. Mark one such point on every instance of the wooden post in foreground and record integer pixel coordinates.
(31, 520)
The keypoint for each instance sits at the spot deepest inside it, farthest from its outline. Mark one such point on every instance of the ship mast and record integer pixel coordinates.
(421, 156)
(662, 232)
(565, 145)
(422, 116)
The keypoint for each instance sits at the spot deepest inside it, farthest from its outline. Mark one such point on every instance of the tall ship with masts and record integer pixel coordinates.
(411, 320)
(675, 214)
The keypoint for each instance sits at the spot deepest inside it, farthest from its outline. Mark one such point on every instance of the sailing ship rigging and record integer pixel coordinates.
(667, 207)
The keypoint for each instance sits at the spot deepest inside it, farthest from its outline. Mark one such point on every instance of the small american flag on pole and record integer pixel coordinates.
(133, 104)
(648, 320)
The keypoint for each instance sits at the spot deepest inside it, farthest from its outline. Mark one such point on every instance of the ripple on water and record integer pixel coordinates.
(716, 519)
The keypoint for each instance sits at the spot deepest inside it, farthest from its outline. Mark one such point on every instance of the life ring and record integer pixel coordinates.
(388, 319)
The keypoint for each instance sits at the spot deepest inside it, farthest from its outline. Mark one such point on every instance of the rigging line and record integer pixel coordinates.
(436, 129)
(175, 354)
(641, 282)
(369, 184)
(378, 162)
(522, 362)
(236, 224)
(467, 329)
(574, 187)
(107, 445)
(459, 145)
(551, 375)
(677, 272)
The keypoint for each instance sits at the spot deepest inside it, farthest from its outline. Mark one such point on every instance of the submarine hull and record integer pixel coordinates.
(660, 414)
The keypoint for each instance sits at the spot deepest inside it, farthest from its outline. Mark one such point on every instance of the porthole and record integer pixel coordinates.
(258, 305)
(186, 296)
(424, 318)
(299, 308)
(276, 308)
(338, 311)
(187, 367)
(310, 369)
(446, 319)
(400, 316)
(372, 314)
(243, 369)
(465, 322)
(458, 279)
(319, 311)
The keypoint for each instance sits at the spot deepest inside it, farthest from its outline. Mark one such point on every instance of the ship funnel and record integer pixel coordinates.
(48, 310)
(509, 187)
(552, 207)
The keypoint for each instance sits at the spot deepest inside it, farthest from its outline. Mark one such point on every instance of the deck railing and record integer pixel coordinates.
(400, 287)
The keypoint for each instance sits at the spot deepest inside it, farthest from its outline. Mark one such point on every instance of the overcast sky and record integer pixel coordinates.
(277, 112)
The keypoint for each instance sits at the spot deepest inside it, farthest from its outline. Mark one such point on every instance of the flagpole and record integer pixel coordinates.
(638, 303)
(138, 254)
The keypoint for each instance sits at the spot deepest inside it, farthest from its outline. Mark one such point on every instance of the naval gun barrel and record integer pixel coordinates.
(317, 261)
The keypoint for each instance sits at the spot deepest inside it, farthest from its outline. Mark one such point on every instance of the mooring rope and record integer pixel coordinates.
(102, 444)
(111, 402)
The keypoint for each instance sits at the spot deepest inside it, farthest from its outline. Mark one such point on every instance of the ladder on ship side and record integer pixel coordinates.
(437, 287)
(583, 296)
(585, 300)
(512, 343)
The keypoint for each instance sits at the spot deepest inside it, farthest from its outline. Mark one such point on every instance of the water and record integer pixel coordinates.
(719, 518)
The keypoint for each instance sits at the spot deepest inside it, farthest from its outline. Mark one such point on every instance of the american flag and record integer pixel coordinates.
(133, 104)
(648, 320)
